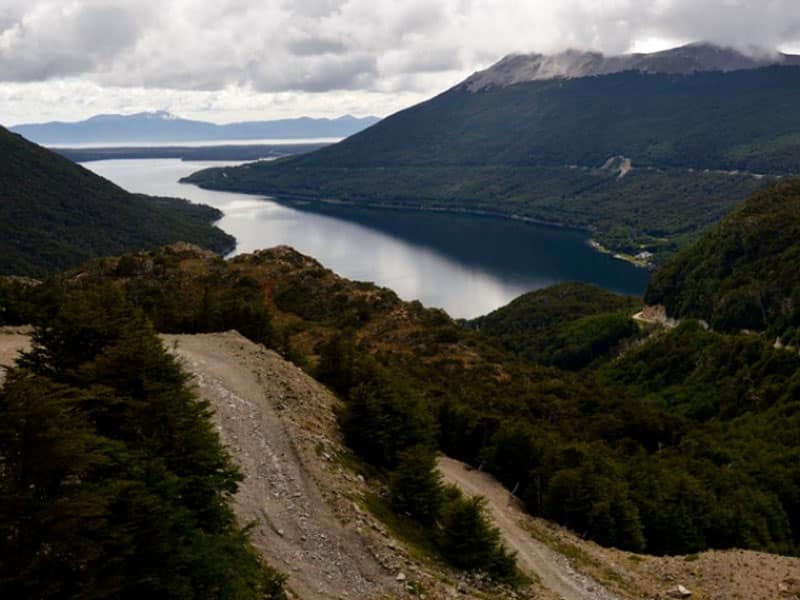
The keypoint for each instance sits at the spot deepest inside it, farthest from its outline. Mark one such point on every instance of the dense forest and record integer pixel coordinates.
(55, 214)
(115, 484)
(538, 149)
(744, 274)
(671, 447)
(569, 325)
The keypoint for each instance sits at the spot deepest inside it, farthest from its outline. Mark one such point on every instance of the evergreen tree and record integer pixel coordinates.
(415, 485)
(115, 484)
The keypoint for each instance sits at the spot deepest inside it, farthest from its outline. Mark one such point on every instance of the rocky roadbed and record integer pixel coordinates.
(259, 401)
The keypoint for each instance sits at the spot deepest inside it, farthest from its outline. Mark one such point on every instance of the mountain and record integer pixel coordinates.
(55, 214)
(572, 64)
(743, 274)
(162, 126)
(645, 158)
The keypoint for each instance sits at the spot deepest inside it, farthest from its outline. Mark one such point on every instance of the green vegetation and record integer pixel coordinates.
(389, 428)
(687, 441)
(568, 325)
(55, 214)
(539, 149)
(115, 484)
(744, 274)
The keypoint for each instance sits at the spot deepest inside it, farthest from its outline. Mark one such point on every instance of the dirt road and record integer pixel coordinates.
(534, 558)
(265, 410)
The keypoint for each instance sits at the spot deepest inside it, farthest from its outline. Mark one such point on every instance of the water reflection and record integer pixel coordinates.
(466, 265)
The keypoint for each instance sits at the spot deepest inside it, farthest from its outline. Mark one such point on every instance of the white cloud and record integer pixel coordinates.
(251, 55)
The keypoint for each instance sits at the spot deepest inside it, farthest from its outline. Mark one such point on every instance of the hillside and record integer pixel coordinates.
(161, 126)
(567, 325)
(55, 214)
(744, 273)
(627, 456)
(247, 385)
(645, 159)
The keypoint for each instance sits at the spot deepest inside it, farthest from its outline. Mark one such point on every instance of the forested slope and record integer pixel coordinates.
(55, 214)
(745, 273)
(672, 448)
(554, 150)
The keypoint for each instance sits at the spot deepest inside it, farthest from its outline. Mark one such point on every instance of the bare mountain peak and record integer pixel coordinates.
(572, 64)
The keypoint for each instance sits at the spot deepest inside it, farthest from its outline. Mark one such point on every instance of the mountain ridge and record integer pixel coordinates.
(571, 64)
(159, 126)
(697, 144)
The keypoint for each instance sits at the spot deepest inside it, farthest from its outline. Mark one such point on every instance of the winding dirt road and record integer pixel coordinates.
(534, 558)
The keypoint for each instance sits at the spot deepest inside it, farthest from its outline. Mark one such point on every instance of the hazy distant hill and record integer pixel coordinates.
(646, 151)
(162, 126)
(55, 214)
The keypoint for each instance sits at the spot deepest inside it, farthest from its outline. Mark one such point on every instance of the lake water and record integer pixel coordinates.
(467, 265)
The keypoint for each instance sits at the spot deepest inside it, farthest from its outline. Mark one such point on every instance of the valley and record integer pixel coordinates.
(532, 335)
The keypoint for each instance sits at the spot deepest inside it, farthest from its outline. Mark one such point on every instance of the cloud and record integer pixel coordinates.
(42, 40)
(322, 45)
(380, 48)
(615, 25)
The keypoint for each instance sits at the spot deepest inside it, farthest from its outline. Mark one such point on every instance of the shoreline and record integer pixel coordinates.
(299, 201)
(636, 262)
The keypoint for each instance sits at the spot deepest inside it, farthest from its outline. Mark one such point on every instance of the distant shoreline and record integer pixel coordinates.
(300, 201)
(223, 152)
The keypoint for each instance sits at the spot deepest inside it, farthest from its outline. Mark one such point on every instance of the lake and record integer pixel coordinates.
(467, 265)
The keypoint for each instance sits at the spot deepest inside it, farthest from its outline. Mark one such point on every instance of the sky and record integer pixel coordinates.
(232, 60)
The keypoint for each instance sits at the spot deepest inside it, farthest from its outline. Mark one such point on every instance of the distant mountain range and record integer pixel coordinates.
(162, 126)
(644, 151)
